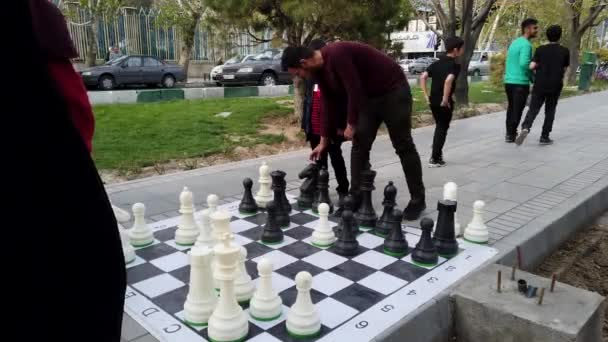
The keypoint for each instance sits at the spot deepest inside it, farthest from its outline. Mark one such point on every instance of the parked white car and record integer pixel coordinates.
(480, 63)
(217, 70)
(405, 64)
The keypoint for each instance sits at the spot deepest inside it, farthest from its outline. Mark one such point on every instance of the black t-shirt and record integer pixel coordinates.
(439, 71)
(552, 60)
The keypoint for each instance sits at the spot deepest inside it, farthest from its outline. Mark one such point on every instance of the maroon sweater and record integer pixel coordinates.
(351, 74)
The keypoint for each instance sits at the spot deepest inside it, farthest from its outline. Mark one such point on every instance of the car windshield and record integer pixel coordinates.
(233, 60)
(476, 56)
(266, 55)
(117, 60)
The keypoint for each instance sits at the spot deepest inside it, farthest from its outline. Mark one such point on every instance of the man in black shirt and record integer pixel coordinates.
(443, 73)
(550, 63)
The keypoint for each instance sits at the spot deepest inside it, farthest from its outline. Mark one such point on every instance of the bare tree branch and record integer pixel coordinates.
(441, 16)
(594, 12)
(439, 35)
(256, 38)
(481, 17)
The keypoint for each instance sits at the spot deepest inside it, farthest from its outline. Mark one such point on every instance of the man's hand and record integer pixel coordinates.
(318, 151)
(428, 100)
(349, 132)
(445, 102)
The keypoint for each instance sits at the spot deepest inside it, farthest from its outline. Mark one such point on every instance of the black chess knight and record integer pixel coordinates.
(308, 189)
(444, 237)
(366, 215)
(383, 226)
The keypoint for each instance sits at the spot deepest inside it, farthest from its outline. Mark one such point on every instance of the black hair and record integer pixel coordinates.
(316, 44)
(528, 22)
(554, 33)
(453, 43)
(292, 56)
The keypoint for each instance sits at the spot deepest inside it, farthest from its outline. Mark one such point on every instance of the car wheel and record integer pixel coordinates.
(168, 81)
(476, 73)
(106, 82)
(268, 79)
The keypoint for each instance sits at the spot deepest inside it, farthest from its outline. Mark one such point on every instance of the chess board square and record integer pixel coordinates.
(264, 337)
(155, 251)
(382, 282)
(241, 226)
(369, 240)
(405, 270)
(172, 301)
(302, 218)
(173, 244)
(251, 268)
(289, 296)
(313, 224)
(253, 233)
(241, 240)
(287, 240)
(182, 273)
(300, 250)
(280, 283)
(255, 249)
(278, 259)
(408, 258)
(137, 261)
(413, 230)
(171, 262)
(299, 232)
(334, 313)
(158, 285)
(259, 219)
(374, 259)
(279, 332)
(360, 250)
(141, 272)
(254, 331)
(412, 240)
(265, 325)
(329, 283)
(165, 234)
(352, 270)
(380, 249)
(181, 316)
(358, 297)
(325, 259)
(290, 271)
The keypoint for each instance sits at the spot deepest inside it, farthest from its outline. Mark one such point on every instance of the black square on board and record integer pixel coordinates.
(141, 272)
(381, 250)
(299, 249)
(255, 249)
(173, 301)
(252, 269)
(405, 270)
(299, 233)
(279, 331)
(352, 270)
(165, 234)
(182, 273)
(289, 296)
(259, 219)
(290, 271)
(358, 297)
(302, 218)
(254, 331)
(360, 250)
(155, 251)
(254, 233)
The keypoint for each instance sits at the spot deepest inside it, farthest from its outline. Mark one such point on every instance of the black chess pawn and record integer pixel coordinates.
(366, 215)
(322, 191)
(308, 189)
(347, 243)
(395, 243)
(280, 199)
(248, 205)
(347, 205)
(272, 231)
(444, 237)
(383, 226)
(425, 253)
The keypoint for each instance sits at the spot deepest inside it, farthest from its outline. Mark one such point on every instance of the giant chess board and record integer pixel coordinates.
(357, 297)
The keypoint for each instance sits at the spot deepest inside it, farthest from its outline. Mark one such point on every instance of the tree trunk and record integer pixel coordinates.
(92, 32)
(494, 26)
(298, 98)
(187, 44)
(575, 48)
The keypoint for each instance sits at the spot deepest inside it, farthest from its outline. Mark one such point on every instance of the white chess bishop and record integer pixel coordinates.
(243, 286)
(303, 319)
(127, 249)
(450, 192)
(202, 298)
(205, 238)
(187, 229)
(266, 305)
(477, 231)
(140, 235)
(264, 194)
(228, 321)
(323, 236)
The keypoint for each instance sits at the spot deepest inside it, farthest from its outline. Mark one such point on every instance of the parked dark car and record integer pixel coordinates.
(264, 69)
(133, 70)
(419, 65)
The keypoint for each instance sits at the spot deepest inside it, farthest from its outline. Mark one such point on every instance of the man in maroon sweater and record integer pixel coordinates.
(362, 88)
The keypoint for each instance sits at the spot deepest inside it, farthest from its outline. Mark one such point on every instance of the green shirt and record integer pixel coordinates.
(518, 60)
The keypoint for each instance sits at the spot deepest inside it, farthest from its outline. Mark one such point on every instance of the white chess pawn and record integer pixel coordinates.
(243, 286)
(228, 322)
(265, 305)
(323, 236)
(187, 229)
(264, 194)
(127, 249)
(140, 235)
(303, 319)
(202, 298)
(205, 238)
(450, 192)
(122, 216)
(212, 203)
(477, 231)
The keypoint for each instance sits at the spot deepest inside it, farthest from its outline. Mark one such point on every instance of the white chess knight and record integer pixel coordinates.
(202, 298)
(205, 238)
(264, 194)
(122, 216)
(243, 286)
(140, 235)
(265, 305)
(187, 229)
(228, 322)
(127, 249)
(477, 231)
(323, 236)
(450, 192)
(303, 319)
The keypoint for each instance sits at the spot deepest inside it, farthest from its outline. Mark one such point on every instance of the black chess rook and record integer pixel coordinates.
(280, 199)
(308, 189)
(425, 252)
(395, 243)
(444, 237)
(366, 215)
(383, 227)
(272, 232)
(248, 204)
(322, 191)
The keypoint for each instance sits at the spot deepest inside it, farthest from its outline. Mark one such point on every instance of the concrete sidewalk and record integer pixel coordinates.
(521, 186)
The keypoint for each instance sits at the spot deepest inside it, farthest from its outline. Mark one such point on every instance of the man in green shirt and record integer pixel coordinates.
(518, 76)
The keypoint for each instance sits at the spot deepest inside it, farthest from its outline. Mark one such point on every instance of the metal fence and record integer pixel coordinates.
(136, 31)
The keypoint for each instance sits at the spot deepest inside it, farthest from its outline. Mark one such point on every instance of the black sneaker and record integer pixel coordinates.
(436, 162)
(509, 138)
(522, 136)
(545, 141)
(413, 210)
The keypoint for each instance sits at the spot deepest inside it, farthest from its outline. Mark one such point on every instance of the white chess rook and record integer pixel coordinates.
(450, 192)
(323, 236)
(243, 286)
(264, 194)
(477, 231)
(205, 238)
(140, 235)
(266, 305)
(187, 229)
(201, 299)
(303, 319)
(228, 321)
(127, 249)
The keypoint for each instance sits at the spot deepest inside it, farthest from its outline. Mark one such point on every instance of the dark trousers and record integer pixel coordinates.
(337, 161)
(443, 117)
(517, 96)
(550, 101)
(395, 110)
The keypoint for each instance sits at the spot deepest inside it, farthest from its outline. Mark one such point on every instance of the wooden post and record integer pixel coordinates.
(498, 280)
(542, 295)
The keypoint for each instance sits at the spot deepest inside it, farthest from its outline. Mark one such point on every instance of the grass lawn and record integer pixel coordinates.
(479, 92)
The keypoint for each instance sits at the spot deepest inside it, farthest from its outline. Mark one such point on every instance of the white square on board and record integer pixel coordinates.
(238, 226)
(171, 262)
(334, 313)
(375, 260)
(329, 283)
(369, 240)
(265, 325)
(278, 259)
(158, 285)
(382, 282)
(325, 259)
(280, 283)
(182, 317)
(287, 240)
(173, 244)
(241, 240)
(408, 258)
(315, 223)
(264, 337)
(136, 262)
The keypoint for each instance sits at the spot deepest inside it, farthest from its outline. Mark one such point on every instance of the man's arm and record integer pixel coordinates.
(354, 89)
(423, 78)
(447, 90)
(525, 56)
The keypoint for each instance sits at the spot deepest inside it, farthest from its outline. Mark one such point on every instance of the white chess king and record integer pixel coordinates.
(303, 319)
(264, 194)
(477, 231)
(201, 299)
(266, 305)
(187, 229)
(323, 236)
(141, 235)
